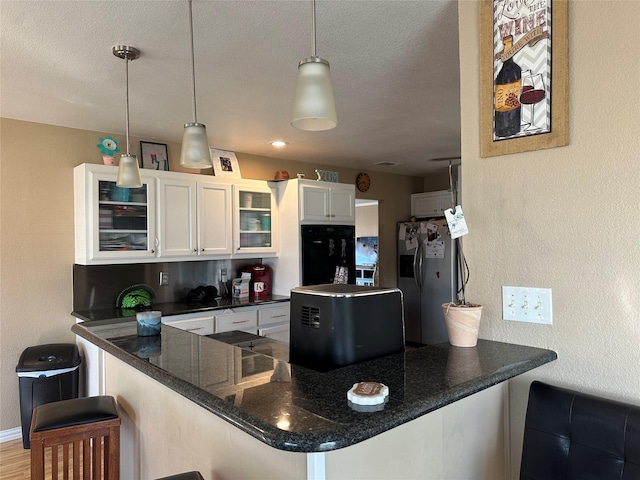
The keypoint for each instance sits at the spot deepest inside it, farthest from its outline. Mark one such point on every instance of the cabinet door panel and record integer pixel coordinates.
(314, 204)
(176, 218)
(425, 205)
(214, 219)
(343, 205)
(112, 225)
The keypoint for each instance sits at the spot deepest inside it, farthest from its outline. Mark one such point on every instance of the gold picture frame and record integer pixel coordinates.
(527, 30)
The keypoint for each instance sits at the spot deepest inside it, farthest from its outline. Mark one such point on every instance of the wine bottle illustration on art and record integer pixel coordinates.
(507, 96)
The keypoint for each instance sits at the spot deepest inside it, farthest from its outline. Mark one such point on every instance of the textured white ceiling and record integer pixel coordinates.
(394, 66)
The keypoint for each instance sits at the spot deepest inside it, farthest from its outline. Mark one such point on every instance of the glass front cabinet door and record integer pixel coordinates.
(112, 223)
(254, 220)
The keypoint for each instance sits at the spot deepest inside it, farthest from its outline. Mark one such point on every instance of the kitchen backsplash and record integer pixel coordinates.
(98, 286)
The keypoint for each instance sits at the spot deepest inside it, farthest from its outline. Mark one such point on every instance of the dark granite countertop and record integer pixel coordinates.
(293, 408)
(179, 308)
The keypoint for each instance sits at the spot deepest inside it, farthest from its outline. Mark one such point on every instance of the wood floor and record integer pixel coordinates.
(15, 463)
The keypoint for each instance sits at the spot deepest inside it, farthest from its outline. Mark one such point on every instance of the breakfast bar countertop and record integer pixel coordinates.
(256, 392)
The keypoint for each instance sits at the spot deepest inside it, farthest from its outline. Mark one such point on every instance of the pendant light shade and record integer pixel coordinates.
(128, 169)
(314, 108)
(128, 172)
(195, 145)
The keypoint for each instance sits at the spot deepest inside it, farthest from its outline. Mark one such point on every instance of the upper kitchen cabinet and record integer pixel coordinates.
(112, 225)
(194, 218)
(430, 204)
(254, 220)
(326, 202)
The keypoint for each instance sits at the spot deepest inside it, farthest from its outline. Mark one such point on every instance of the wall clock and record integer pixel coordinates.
(363, 182)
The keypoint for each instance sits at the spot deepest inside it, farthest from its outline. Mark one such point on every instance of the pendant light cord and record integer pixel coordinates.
(193, 63)
(126, 76)
(313, 26)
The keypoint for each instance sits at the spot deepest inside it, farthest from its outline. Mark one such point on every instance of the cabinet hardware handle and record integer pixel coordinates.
(202, 250)
(239, 321)
(279, 316)
(195, 250)
(194, 329)
(153, 251)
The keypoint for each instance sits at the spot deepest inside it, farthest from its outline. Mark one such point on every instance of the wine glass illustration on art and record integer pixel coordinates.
(532, 92)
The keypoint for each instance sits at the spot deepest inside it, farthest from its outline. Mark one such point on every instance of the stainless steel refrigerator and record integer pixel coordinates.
(427, 276)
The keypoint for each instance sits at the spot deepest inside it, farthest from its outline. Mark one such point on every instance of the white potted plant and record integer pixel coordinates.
(462, 318)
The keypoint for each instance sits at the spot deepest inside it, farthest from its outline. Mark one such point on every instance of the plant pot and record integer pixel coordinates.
(463, 322)
(108, 160)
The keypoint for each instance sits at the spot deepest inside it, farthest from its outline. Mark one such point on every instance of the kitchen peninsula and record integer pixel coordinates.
(193, 402)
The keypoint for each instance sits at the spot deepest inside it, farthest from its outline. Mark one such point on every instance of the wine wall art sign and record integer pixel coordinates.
(524, 76)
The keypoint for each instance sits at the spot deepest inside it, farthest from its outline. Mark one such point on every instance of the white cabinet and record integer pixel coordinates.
(430, 204)
(274, 321)
(270, 320)
(112, 225)
(244, 319)
(254, 221)
(194, 218)
(172, 217)
(325, 202)
(192, 322)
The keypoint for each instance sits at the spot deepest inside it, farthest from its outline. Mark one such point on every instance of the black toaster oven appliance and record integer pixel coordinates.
(337, 325)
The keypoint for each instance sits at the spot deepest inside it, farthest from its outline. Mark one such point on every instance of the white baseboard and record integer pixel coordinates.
(11, 434)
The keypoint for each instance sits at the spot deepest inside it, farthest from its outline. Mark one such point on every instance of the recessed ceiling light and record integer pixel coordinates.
(279, 143)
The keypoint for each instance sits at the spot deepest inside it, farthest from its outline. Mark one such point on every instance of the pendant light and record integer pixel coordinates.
(195, 145)
(128, 169)
(314, 108)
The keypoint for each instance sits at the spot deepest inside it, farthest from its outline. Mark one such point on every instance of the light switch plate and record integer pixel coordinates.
(526, 304)
(164, 279)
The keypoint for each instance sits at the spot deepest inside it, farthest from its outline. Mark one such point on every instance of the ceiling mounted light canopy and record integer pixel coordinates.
(314, 107)
(128, 169)
(195, 145)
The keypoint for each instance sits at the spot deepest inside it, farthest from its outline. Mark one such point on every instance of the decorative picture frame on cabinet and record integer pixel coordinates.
(524, 82)
(154, 156)
(225, 163)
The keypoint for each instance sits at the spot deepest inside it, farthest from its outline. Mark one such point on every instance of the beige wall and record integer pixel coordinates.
(36, 232)
(564, 218)
(367, 221)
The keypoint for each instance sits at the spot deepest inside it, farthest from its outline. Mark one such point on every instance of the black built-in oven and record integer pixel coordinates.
(328, 254)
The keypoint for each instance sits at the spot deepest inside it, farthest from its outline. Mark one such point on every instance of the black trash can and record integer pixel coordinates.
(46, 373)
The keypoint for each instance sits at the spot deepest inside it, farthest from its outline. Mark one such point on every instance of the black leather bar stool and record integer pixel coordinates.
(90, 425)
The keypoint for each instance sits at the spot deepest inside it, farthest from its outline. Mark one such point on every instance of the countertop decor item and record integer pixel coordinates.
(195, 145)
(128, 170)
(135, 297)
(314, 108)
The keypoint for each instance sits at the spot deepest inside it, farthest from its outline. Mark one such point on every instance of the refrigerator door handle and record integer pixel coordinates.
(417, 266)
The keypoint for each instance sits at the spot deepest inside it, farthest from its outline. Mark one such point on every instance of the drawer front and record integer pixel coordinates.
(268, 316)
(236, 321)
(279, 332)
(201, 326)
